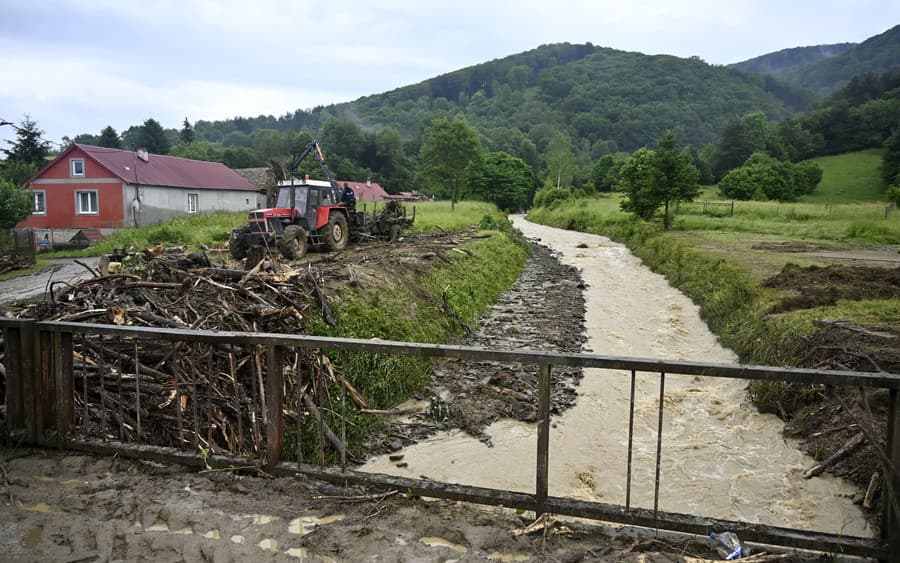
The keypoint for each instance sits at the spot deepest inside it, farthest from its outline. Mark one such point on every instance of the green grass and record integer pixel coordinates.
(848, 206)
(436, 215)
(853, 177)
(39, 265)
(209, 229)
(213, 229)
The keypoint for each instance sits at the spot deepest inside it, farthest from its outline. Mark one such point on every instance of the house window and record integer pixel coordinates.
(193, 203)
(40, 203)
(86, 202)
(77, 166)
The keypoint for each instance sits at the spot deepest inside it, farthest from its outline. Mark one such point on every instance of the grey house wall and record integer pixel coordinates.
(161, 203)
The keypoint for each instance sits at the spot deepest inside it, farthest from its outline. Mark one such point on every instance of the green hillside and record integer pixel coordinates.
(853, 177)
(612, 100)
(824, 68)
(787, 61)
(877, 54)
(604, 100)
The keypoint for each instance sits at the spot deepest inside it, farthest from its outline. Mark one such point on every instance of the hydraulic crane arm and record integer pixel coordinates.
(316, 149)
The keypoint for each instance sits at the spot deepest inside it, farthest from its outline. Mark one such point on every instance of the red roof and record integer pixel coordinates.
(161, 170)
(370, 191)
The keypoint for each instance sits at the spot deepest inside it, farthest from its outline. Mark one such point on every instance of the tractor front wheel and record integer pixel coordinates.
(337, 233)
(292, 243)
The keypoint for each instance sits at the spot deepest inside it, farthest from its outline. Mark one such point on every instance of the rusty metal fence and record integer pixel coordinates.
(228, 399)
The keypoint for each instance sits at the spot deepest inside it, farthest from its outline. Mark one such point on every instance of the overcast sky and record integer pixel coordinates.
(78, 65)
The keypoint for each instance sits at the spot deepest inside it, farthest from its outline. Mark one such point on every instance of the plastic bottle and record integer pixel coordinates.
(732, 548)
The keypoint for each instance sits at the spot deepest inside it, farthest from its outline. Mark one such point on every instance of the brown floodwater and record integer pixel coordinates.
(721, 458)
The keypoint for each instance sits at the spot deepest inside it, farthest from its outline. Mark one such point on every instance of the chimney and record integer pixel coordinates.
(369, 182)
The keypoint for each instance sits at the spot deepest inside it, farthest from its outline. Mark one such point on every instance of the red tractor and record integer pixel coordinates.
(315, 214)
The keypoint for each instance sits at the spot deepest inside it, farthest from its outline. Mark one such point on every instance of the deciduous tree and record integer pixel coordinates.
(15, 204)
(651, 179)
(560, 161)
(504, 180)
(448, 149)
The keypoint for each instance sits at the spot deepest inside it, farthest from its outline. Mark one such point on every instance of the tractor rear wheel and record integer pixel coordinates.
(292, 243)
(337, 233)
(237, 245)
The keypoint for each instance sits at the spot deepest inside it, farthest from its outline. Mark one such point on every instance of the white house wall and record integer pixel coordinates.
(160, 203)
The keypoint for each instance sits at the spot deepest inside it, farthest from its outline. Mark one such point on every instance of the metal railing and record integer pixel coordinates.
(81, 386)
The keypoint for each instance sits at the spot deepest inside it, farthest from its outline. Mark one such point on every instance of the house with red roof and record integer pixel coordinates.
(98, 190)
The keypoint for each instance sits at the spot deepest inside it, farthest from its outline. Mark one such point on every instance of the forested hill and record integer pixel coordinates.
(875, 55)
(787, 61)
(603, 99)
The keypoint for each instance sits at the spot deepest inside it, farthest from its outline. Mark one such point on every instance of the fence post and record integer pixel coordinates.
(15, 404)
(543, 440)
(64, 382)
(29, 352)
(44, 385)
(890, 521)
(274, 395)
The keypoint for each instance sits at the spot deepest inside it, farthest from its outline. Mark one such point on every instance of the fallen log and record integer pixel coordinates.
(837, 456)
(336, 376)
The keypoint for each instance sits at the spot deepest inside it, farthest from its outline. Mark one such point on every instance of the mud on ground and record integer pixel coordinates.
(827, 419)
(815, 286)
(66, 507)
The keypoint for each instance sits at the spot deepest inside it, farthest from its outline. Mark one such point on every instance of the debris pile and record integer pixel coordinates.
(209, 395)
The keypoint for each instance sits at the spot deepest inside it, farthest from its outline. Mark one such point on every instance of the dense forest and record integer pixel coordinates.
(789, 61)
(824, 68)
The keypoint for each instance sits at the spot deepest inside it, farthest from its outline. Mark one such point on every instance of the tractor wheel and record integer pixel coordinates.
(292, 243)
(336, 234)
(237, 245)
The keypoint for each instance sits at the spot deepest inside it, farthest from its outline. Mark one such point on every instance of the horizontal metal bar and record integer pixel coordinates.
(538, 357)
(670, 521)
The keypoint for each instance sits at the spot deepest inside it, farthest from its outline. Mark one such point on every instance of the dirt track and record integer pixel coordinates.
(61, 270)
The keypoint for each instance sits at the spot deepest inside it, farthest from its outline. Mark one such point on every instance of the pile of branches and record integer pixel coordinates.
(208, 396)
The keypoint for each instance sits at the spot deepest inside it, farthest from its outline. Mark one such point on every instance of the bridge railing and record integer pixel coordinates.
(229, 399)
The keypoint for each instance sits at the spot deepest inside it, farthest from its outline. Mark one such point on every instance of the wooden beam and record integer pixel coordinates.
(543, 441)
(890, 522)
(274, 396)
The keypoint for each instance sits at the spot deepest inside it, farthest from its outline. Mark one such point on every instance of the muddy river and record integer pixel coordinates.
(721, 458)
